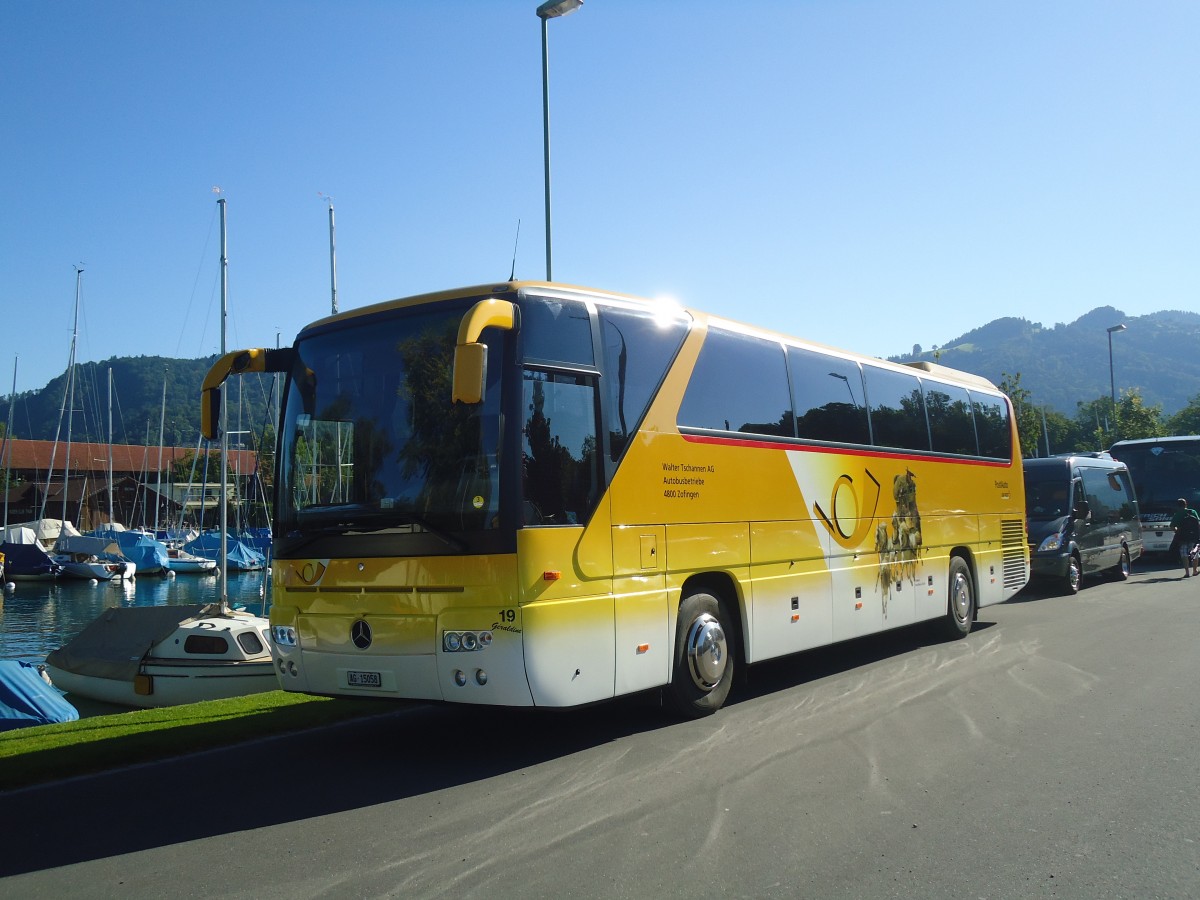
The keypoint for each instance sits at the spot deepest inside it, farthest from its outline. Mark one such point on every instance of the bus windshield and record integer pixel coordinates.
(1163, 470)
(370, 439)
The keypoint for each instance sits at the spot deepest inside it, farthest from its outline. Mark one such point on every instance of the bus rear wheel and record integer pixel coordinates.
(702, 670)
(960, 612)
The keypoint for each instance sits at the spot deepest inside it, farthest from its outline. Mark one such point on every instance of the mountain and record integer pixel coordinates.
(137, 403)
(1159, 354)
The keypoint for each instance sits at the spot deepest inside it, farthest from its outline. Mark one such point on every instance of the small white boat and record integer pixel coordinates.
(87, 557)
(82, 566)
(151, 656)
(180, 562)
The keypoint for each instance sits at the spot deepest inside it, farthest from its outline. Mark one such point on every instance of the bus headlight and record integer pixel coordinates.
(284, 635)
(465, 641)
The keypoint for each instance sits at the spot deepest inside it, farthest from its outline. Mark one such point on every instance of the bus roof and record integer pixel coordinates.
(509, 287)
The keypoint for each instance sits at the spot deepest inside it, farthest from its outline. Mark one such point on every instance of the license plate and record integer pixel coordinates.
(364, 679)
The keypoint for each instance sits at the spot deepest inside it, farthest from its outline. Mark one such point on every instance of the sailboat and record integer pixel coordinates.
(24, 558)
(168, 655)
(148, 554)
(80, 557)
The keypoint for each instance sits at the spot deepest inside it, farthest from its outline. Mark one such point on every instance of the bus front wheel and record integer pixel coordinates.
(960, 611)
(702, 670)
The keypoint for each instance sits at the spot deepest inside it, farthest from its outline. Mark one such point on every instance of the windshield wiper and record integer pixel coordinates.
(444, 536)
(374, 522)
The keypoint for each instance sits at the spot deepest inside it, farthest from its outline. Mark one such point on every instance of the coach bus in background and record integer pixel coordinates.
(1164, 469)
(530, 494)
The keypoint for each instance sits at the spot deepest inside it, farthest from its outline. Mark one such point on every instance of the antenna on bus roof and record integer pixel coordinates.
(513, 272)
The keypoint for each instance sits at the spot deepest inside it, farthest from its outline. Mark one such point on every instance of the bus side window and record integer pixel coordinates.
(830, 404)
(950, 425)
(559, 463)
(739, 384)
(638, 347)
(992, 425)
(897, 407)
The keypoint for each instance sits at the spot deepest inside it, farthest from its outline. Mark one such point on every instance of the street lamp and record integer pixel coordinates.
(1112, 384)
(551, 9)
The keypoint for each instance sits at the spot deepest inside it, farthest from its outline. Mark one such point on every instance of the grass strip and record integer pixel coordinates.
(51, 752)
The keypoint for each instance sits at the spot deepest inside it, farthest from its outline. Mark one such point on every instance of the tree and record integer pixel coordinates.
(1135, 419)
(1029, 418)
(1187, 420)
(1094, 420)
(1060, 432)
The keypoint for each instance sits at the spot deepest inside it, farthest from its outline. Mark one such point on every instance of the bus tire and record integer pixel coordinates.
(1070, 583)
(960, 602)
(1122, 569)
(703, 665)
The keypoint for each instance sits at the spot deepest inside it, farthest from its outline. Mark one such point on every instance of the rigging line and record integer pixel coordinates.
(208, 314)
(196, 281)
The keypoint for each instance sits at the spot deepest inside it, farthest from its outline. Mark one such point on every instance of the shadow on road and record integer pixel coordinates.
(410, 750)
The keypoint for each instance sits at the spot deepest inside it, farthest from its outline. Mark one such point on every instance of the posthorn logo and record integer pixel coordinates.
(360, 634)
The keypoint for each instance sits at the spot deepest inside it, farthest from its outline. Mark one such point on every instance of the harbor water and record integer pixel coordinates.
(37, 617)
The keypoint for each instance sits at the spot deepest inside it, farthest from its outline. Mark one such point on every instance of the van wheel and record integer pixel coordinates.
(1070, 584)
(702, 672)
(1122, 569)
(960, 612)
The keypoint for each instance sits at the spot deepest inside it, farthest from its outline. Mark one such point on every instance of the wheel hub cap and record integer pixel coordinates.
(962, 599)
(707, 652)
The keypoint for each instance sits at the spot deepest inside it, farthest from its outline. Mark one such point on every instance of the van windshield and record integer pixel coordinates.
(1047, 494)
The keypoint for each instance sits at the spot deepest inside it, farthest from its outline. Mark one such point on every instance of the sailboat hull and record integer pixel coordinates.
(171, 683)
(195, 653)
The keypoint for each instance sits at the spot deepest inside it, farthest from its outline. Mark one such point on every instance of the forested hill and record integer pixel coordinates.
(1064, 364)
(1060, 365)
(137, 403)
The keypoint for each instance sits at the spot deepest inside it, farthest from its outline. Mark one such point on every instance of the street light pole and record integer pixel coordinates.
(1112, 384)
(551, 9)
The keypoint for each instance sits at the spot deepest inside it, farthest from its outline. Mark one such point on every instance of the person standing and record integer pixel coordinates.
(1186, 523)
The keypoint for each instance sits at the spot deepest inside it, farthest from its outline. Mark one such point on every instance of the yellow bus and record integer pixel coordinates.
(533, 494)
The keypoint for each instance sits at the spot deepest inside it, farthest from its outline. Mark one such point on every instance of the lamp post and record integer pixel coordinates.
(1112, 384)
(551, 9)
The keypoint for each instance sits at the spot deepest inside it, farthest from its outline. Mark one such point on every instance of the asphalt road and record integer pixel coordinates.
(1053, 753)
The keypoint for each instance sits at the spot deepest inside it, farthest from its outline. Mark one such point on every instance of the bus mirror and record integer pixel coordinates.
(470, 355)
(236, 363)
(470, 373)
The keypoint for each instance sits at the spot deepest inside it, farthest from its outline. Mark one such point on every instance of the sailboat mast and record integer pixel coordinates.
(71, 394)
(224, 566)
(110, 457)
(162, 419)
(12, 402)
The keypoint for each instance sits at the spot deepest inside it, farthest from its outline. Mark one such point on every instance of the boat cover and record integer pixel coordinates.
(149, 555)
(239, 557)
(27, 560)
(20, 534)
(48, 531)
(88, 546)
(26, 698)
(115, 643)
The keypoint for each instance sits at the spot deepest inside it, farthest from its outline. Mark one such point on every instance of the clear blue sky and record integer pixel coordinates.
(867, 174)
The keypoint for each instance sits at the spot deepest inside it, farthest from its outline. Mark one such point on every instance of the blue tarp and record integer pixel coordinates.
(28, 699)
(239, 557)
(149, 555)
(27, 561)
